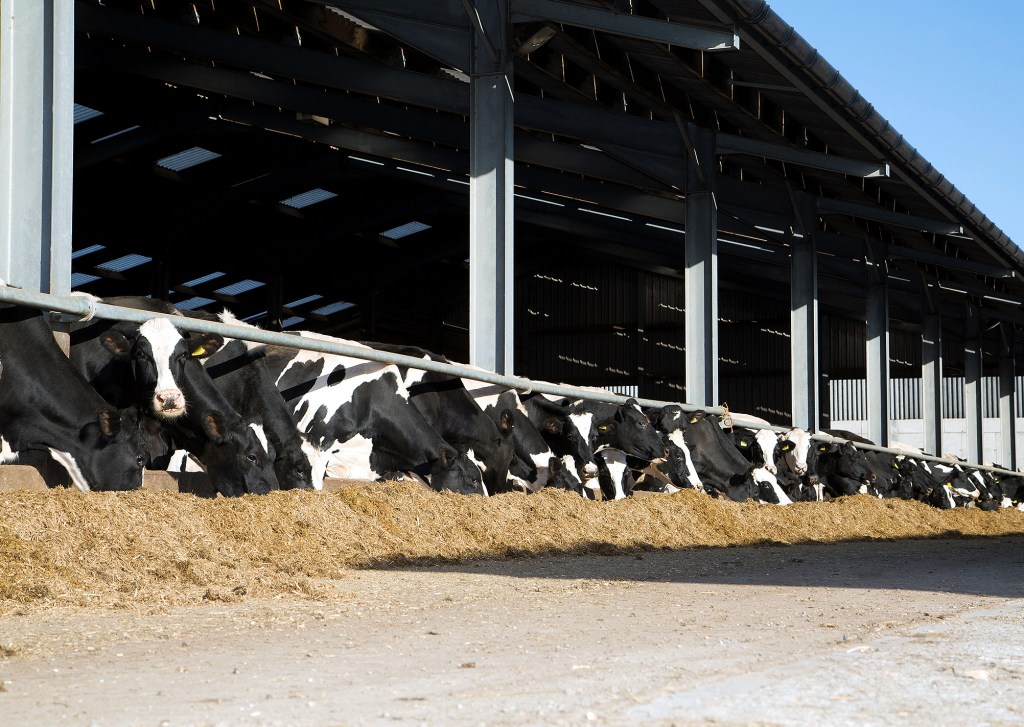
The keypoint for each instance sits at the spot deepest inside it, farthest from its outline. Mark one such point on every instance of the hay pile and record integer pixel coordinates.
(64, 547)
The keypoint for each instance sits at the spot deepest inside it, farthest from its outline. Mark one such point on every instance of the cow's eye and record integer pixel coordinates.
(251, 457)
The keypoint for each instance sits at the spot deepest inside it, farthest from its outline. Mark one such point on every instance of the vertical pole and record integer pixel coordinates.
(1007, 413)
(37, 51)
(491, 249)
(877, 340)
(701, 275)
(972, 382)
(931, 376)
(824, 371)
(804, 318)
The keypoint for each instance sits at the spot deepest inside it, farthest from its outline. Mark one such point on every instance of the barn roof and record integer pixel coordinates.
(310, 159)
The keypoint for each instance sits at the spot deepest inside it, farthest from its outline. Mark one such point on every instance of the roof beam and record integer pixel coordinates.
(886, 217)
(945, 261)
(630, 26)
(730, 144)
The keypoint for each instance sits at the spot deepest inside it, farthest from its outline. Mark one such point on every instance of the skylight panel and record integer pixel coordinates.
(409, 228)
(330, 310)
(242, 286)
(193, 303)
(84, 113)
(125, 262)
(309, 198)
(203, 279)
(189, 158)
(303, 301)
(87, 251)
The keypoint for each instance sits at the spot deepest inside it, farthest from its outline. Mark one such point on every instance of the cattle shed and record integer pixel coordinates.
(679, 199)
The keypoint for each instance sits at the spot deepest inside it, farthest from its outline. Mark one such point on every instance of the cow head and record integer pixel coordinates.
(491, 449)
(162, 360)
(562, 475)
(233, 455)
(112, 454)
(631, 432)
(454, 472)
(797, 451)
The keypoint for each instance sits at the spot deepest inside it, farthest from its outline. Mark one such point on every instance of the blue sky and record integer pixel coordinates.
(947, 74)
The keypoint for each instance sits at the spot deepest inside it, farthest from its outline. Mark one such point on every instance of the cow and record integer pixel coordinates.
(532, 466)
(449, 408)
(844, 469)
(358, 416)
(614, 473)
(239, 371)
(46, 405)
(568, 433)
(722, 469)
(761, 448)
(153, 366)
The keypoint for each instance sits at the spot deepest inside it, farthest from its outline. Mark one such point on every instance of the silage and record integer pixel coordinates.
(145, 549)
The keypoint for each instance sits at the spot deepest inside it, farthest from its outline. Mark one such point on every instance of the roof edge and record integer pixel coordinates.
(806, 59)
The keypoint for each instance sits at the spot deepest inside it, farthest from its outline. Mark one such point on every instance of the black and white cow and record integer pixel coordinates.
(46, 405)
(722, 469)
(358, 416)
(761, 447)
(448, 407)
(240, 373)
(534, 465)
(154, 366)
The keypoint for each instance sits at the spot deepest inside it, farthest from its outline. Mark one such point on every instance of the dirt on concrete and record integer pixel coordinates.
(885, 632)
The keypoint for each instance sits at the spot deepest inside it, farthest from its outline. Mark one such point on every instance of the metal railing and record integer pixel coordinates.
(85, 308)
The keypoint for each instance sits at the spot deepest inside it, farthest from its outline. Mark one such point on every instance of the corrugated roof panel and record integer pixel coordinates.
(303, 301)
(87, 251)
(193, 303)
(289, 322)
(189, 158)
(125, 262)
(329, 310)
(242, 286)
(306, 199)
(84, 113)
(203, 279)
(79, 279)
(409, 228)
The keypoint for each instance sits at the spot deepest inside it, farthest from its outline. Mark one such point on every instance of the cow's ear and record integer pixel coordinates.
(204, 344)
(109, 421)
(214, 426)
(607, 426)
(554, 466)
(447, 456)
(116, 343)
(786, 446)
(508, 422)
(553, 425)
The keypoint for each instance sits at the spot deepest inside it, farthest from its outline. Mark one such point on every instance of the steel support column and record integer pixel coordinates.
(1007, 410)
(877, 344)
(972, 382)
(931, 379)
(490, 192)
(37, 51)
(804, 317)
(701, 274)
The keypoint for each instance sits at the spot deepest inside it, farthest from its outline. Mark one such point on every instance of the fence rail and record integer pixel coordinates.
(86, 308)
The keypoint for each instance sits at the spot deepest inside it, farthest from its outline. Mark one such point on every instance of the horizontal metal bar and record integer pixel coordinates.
(629, 26)
(945, 261)
(738, 419)
(834, 206)
(731, 144)
(84, 308)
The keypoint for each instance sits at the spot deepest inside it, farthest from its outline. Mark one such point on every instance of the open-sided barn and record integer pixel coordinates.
(677, 198)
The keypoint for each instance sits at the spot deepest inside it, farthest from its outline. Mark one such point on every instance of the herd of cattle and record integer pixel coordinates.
(258, 418)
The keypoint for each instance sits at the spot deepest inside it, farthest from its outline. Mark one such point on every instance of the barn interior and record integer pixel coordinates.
(306, 164)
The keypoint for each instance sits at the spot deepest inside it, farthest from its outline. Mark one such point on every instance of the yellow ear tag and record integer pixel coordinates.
(693, 421)
(744, 443)
(199, 351)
